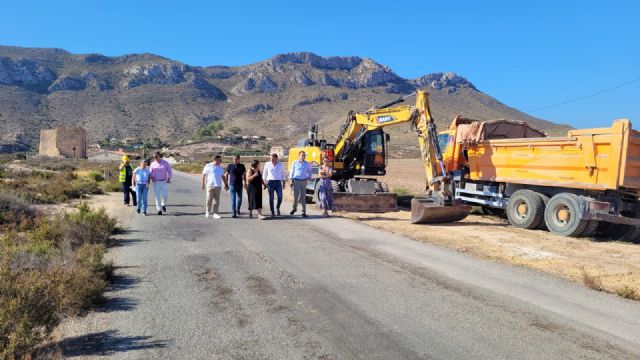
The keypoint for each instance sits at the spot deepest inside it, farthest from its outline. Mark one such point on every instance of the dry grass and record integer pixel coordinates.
(591, 281)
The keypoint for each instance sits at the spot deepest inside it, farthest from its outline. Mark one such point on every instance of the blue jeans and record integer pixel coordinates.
(236, 198)
(274, 185)
(142, 191)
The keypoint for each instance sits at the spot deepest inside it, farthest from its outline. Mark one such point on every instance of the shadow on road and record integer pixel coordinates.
(123, 242)
(185, 214)
(120, 282)
(106, 343)
(116, 304)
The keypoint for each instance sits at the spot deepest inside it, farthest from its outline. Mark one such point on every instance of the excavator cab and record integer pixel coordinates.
(373, 157)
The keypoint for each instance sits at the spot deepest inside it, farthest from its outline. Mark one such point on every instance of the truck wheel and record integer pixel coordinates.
(562, 215)
(545, 201)
(590, 230)
(525, 209)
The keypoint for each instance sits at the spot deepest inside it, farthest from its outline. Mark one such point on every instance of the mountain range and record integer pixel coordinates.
(146, 95)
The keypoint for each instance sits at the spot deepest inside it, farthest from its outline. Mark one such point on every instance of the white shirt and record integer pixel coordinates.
(273, 172)
(213, 174)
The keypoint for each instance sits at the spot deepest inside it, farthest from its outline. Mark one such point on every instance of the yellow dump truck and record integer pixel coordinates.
(569, 184)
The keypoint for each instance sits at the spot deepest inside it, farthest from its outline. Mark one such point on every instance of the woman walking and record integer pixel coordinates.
(325, 194)
(141, 177)
(254, 189)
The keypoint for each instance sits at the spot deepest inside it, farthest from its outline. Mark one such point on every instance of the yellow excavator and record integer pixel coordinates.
(360, 150)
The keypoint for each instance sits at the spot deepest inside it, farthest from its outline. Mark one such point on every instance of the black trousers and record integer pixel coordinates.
(129, 192)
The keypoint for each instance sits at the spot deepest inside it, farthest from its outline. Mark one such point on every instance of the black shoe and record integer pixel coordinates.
(304, 215)
(278, 212)
(144, 214)
(164, 208)
(159, 212)
(292, 212)
(234, 216)
(138, 211)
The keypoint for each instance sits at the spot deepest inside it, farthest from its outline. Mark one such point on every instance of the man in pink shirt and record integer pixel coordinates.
(161, 178)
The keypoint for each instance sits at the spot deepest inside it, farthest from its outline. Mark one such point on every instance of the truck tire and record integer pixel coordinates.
(545, 201)
(562, 216)
(525, 209)
(590, 230)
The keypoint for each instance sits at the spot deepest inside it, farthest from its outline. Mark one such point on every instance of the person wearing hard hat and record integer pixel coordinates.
(126, 173)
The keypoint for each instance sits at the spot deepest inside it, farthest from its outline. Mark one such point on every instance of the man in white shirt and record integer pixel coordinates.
(212, 177)
(274, 175)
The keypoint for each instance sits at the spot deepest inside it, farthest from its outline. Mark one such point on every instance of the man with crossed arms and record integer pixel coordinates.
(299, 174)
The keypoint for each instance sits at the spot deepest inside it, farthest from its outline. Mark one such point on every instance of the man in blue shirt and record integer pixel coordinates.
(299, 174)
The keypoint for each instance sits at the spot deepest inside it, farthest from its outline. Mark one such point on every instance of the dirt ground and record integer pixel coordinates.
(612, 266)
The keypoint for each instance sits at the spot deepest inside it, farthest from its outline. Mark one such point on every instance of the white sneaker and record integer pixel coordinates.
(206, 214)
(216, 216)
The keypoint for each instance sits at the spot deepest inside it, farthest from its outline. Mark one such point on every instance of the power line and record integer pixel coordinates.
(585, 96)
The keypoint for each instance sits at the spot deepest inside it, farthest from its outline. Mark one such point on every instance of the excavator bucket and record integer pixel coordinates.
(426, 210)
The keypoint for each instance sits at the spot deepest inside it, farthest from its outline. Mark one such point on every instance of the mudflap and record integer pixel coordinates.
(426, 210)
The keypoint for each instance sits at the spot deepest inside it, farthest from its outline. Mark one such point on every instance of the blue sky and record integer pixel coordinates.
(527, 54)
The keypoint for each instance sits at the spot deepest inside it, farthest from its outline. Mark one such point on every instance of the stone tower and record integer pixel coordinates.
(68, 141)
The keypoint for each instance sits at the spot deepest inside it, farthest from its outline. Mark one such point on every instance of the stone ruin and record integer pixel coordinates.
(68, 142)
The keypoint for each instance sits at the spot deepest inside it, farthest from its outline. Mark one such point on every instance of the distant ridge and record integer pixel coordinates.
(146, 95)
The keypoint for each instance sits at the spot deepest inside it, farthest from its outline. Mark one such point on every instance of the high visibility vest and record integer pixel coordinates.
(123, 174)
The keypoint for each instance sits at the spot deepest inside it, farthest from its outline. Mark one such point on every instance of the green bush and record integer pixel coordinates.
(401, 191)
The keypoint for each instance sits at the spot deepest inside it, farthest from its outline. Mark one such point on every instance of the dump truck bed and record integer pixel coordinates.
(595, 159)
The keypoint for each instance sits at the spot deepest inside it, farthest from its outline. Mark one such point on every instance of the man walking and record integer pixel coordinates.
(274, 176)
(125, 179)
(212, 178)
(236, 181)
(161, 177)
(299, 174)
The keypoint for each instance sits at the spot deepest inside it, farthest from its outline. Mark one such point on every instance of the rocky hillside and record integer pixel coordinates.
(145, 95)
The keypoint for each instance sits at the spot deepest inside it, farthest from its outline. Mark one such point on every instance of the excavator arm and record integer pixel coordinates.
(419, 116)
(440, 205)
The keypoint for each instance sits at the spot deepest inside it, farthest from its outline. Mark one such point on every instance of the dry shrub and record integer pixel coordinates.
(15, 213)
(28, 310)
(87, 226)
(53, 269)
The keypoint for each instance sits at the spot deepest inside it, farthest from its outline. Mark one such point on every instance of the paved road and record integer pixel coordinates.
(194, 288)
